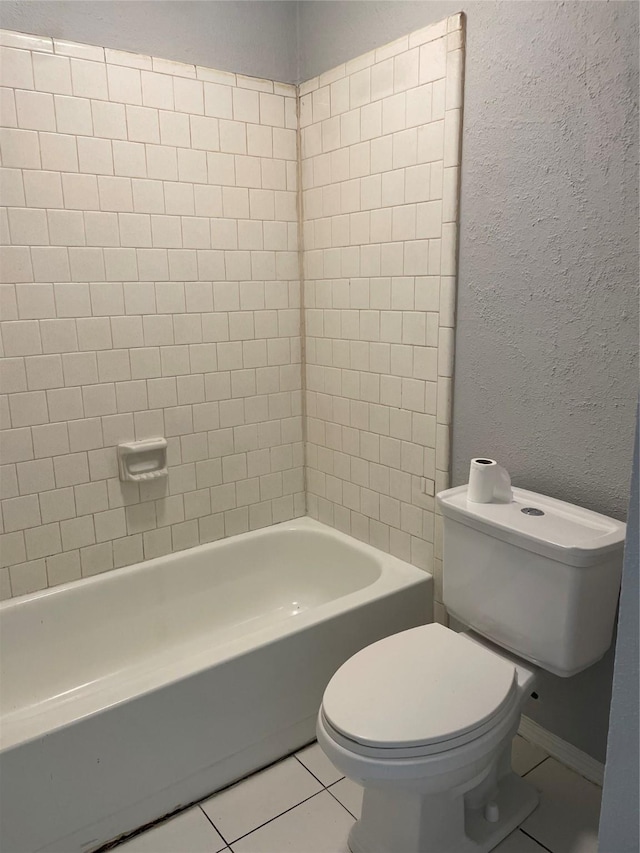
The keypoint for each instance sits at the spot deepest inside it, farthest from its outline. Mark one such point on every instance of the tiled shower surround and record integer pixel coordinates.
(151, 286)
(380, 176)
(160, 296)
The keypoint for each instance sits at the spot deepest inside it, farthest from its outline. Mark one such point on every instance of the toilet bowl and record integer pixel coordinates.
(434, 772)
(424, 719)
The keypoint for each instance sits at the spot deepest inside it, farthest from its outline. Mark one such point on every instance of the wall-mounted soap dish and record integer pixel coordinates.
(143, 460)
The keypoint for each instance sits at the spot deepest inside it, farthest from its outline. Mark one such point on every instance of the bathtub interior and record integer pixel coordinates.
(135, 626)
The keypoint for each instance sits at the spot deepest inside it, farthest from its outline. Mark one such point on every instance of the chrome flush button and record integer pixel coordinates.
(531, 510)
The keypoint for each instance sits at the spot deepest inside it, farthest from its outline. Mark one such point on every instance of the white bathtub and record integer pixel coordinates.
(131, 694)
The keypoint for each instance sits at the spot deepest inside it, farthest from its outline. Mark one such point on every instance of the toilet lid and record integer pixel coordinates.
(418, 687)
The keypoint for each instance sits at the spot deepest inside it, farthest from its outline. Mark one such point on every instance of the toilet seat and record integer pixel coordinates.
(419, 692)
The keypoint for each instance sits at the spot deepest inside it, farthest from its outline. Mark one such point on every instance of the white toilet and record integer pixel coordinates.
(424, 719)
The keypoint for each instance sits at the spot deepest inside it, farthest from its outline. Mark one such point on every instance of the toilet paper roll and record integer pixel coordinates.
(488, 482)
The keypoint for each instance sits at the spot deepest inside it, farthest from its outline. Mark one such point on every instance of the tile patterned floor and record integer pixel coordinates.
(303, 804)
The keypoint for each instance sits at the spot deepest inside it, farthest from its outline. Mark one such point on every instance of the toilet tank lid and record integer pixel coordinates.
(560, 530)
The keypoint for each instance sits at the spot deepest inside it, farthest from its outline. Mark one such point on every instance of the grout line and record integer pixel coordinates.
(213, 824)
(535, 766)
(314, 775)
(309, 771)
(301, 291)
(536, 840)
(339, 801)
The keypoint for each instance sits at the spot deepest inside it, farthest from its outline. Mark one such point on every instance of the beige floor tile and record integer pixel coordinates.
(317, 763)
(350, 795)
(566, 821)
(319, 825)
(260, 797)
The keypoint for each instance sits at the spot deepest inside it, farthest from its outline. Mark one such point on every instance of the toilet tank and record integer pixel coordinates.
(538, 576)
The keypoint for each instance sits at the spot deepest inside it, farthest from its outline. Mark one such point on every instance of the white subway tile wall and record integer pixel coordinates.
(380, 165)
(149, 286)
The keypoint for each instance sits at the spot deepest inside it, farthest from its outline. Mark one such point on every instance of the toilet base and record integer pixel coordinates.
(407, 822)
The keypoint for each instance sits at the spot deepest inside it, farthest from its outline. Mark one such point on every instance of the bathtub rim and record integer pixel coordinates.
(301, 523)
